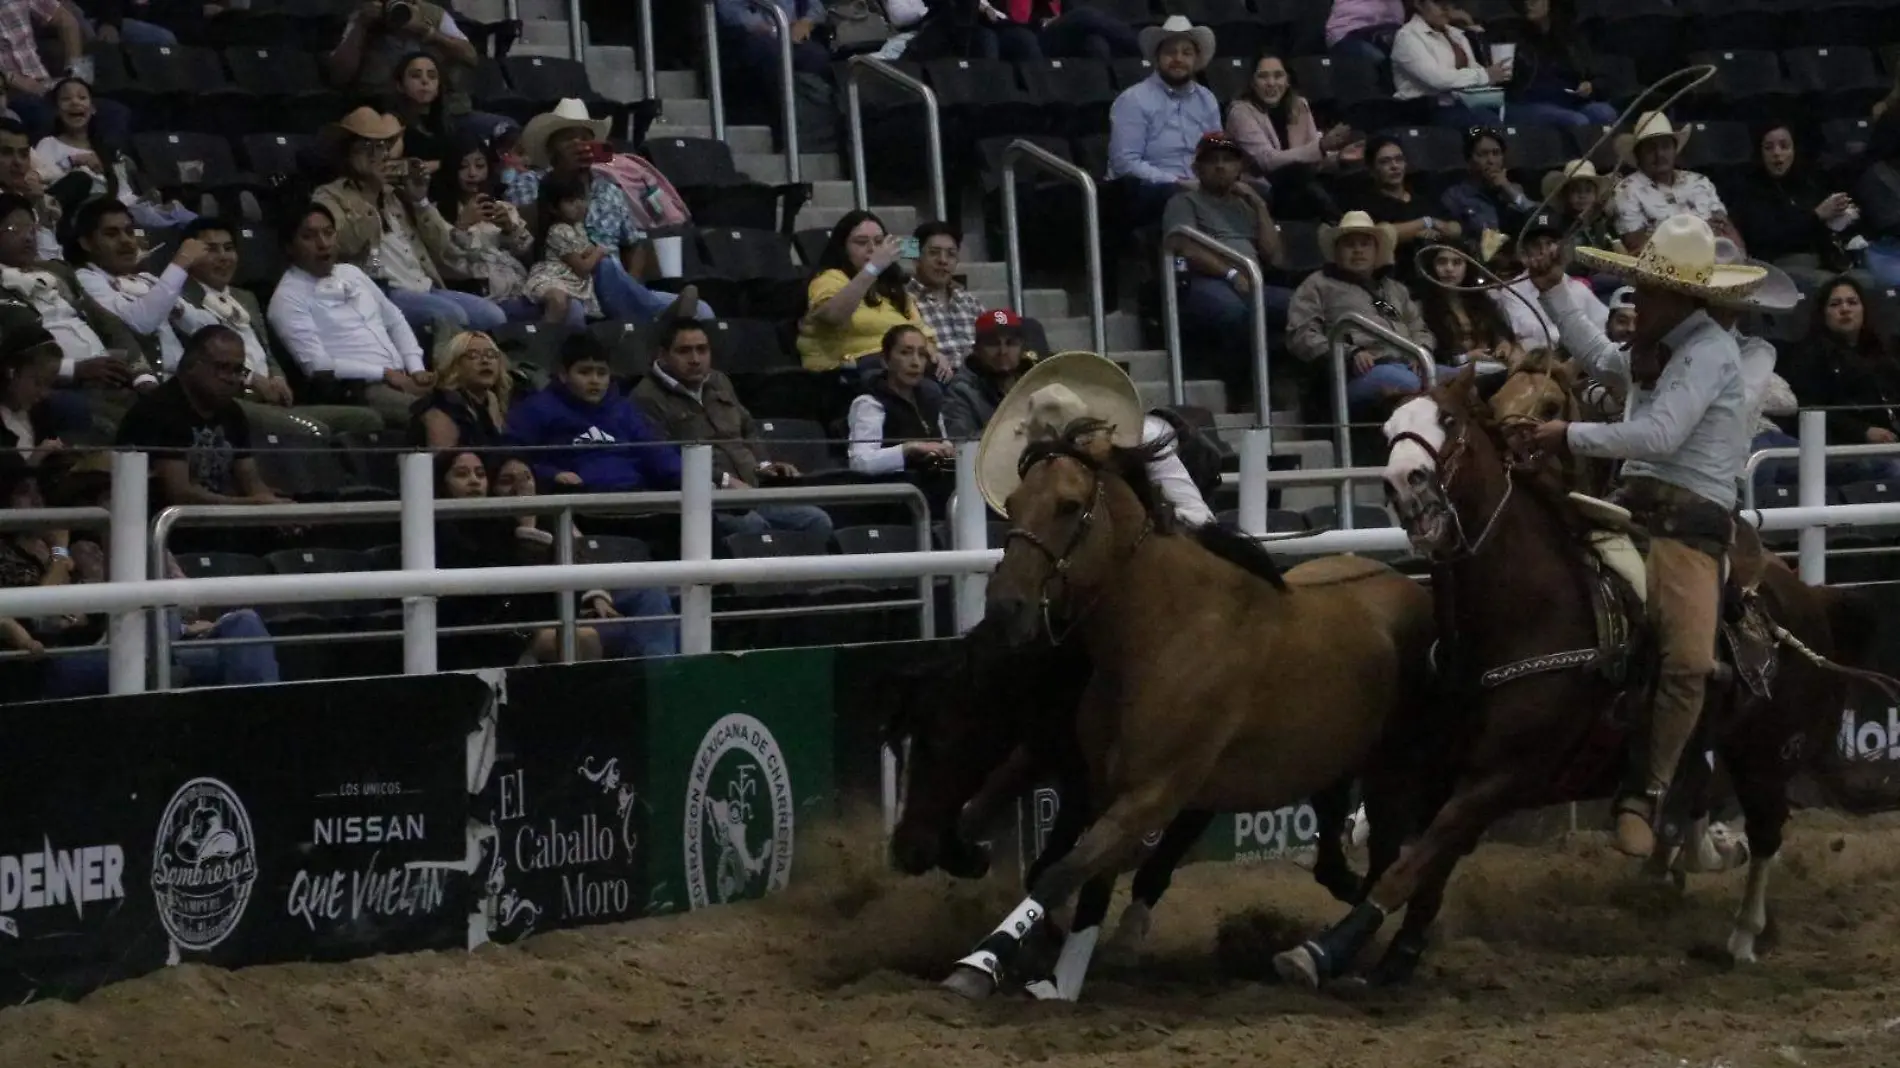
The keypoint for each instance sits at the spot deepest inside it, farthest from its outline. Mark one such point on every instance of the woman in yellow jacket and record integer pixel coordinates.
(856, 297)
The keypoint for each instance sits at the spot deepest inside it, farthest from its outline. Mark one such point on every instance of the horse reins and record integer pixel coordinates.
(1444, 466)
(1059, 562)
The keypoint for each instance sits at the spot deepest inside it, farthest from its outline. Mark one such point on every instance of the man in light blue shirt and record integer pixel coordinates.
(1684, 440)
(748, 40)
(1156, 124)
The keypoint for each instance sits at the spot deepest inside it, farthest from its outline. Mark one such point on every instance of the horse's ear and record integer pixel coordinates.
(1463, 387)
(1098, 446)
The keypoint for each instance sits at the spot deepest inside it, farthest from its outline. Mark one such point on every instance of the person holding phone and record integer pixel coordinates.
(488, 241)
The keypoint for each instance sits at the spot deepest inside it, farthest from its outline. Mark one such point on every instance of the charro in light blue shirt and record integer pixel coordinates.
(1692, 429)
(1154, 130)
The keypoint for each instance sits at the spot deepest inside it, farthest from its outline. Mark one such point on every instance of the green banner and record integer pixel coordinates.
(739, 752)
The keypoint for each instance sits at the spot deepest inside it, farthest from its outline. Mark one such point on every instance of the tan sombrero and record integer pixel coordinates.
(1045, 400)
(1358, 222)
(569, 114)
(1577, 170)
(1152, 38)
(1653, 124)
(367, 123)
(1680, 255)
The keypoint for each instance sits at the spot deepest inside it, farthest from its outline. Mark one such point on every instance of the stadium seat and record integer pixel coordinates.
(759, 262)
(1279, 520)
(546, 80)
(1237, 32)
(370, 457)
(1364, 517)
(175, 70)
(629, 348)
(775, 543)
(384, 557)
(489, 87)
(1613, 79)
(810, 245)
(1130, 72)
(1777, 497)
(276, 157)
(533, 344)
(879, 539)
(1835, 80)
(1735, 24)
(1840, 22)
(1075, 93)
(1872, 491)
(221, 565)
(269, 71)
(980, 97)
(799, 442)
(1431, 151)
(1648, 31)
(1745, 82)
(1300, 240)
(111, 73)
(1846, 137)
(1718, 149)
(285, 462)
(189, 163)
(611, 549)
(1534, 150)
(260, 260)
(716, 193)
(748, 347)
(1227, 76)
(324, 561)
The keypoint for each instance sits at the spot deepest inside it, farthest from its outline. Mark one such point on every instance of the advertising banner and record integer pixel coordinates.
(230, 826)
(739, 752)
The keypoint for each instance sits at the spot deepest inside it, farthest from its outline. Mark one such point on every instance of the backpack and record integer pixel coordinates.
(654, 201)
(1200, 452)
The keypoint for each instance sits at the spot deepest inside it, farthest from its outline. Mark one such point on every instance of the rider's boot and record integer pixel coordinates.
(1678, 705)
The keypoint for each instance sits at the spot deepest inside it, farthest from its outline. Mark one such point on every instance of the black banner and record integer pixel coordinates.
(564, 811)
(232, 826)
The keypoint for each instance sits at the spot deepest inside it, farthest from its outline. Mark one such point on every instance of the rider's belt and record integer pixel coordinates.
(1669, 511)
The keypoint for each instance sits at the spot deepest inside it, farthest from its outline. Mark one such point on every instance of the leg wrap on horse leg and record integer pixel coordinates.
(994, 953)
(1334, 950)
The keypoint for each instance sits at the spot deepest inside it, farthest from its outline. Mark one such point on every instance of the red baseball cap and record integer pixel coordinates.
(997, 319)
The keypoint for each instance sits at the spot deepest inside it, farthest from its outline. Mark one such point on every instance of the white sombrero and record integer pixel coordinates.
(568, 114)
(1653, 124)
(1152, 38)
(1777, 291)
(1680, 255)
(1577, 170)
(1358, 222)
(1045, 400)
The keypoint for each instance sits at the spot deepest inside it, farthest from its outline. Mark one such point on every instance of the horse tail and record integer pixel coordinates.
(1854, 785)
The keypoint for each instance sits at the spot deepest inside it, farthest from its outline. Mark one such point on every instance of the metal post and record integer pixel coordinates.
(1017, 152)
(854, 121)
(416, 477)
(1813, 493)
(649, 74)
(788, 102)
(126, 666)
(576, 42)
(696, 527)
(1342, 431)
(887, 788)
(1171, 327)
(1336, 344)
(564, 554)
(1255, 448)
(713, 79)
(1249, 267)
(161, 649)
(969, 529)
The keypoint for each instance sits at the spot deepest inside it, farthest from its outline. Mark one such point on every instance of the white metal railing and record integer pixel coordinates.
(854, 121)
(788, 98)
(649, 70)
(1171, 315)
(1018, 152)
(576, 27)
(1336, 332)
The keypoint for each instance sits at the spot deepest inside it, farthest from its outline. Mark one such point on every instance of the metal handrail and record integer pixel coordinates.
(50, 518)
(562, 506)
(576, 42)
(1790, 452)
(1020, 151)
(854, 113)
(1171, 315)
(788, 102)
(1342, 430)
(649, 74)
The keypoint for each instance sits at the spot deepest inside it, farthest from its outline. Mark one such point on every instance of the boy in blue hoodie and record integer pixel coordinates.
(614, 447)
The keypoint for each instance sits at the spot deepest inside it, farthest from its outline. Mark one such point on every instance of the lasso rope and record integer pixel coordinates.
(1689, 77)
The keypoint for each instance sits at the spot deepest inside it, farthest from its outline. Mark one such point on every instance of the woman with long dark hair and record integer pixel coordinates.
(417, 101)
(856, 296)
(487, 239)
(81, 161)
(1468, 325)
(1794, 216)
(1845, 366)
(1550, 71)
(1274, 126)
(1387, 196)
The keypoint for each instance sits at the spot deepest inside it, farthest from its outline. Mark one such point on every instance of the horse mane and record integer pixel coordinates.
(1130, 464)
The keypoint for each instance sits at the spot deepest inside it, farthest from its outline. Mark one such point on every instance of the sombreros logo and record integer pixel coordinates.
(204, 864)
(739, 814)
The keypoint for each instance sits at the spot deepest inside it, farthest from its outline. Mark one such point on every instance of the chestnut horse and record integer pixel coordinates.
(1546, 716)
(1217, 683)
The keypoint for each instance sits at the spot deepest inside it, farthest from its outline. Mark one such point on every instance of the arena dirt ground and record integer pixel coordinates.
(1551, 957)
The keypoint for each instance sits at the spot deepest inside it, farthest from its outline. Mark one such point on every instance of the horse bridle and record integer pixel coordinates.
(1445, 468)
(1059, 562)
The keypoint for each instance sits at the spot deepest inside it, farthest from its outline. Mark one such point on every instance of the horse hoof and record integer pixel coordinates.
(970, 983)
(1298, 965)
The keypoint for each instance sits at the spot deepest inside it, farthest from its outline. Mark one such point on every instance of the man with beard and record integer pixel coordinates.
(1155, 124)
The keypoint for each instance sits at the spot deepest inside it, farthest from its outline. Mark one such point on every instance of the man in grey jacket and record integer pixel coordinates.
(1684, 438)
(995, 365)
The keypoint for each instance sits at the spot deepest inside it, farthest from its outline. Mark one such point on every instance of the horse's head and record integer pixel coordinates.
(1439, 448)
(1541, 386)
(1075, 515)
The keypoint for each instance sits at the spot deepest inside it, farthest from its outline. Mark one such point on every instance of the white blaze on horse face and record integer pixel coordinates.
(1407, 460)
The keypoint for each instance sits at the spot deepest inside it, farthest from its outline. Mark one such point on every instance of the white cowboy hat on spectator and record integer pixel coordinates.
(1777, 291)
(1577, 170)
(1680, 256)
(1152, 38)
(1652, 125)
(369, 124)
(569, 114)
(1049, 396)
(1358, 222)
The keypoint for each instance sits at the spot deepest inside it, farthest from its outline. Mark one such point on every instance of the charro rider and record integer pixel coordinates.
(1080, 385)
(1685, 440)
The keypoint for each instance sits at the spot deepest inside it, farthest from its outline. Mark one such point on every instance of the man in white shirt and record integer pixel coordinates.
(341, 329)
(1658, 189)
(105, 252)
(18, 177)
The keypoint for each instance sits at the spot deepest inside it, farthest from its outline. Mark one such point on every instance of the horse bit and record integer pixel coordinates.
(1444, 467)
(1059, 562)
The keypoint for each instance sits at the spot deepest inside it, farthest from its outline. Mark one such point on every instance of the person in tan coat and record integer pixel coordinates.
(1358, 278)
(387, 226)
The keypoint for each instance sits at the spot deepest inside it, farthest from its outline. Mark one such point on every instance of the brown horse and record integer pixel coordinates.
(1547, 699)
(1543, 386)
(1217, 684)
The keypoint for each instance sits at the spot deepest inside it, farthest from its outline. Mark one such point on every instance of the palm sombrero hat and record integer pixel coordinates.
(1049, 396)
(1681, 256)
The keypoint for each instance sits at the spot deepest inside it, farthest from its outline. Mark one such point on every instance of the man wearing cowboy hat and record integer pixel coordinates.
(1684, 440)
(1358, 278)
(565, 141)
(1580, 196)
(1054, 394)
(1157, 123)
(1658, 189)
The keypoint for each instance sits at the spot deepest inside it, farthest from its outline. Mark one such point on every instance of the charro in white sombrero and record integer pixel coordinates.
(1680, 255)
(1050, 396)
(1653, 124)
(1358, 222)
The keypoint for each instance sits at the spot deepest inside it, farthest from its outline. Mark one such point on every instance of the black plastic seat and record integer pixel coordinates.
(1430, 150)
(629, 348)
(268, 71)
(760, 263)
(1835, 79)
(545, 80)
(981, 96)
(370, 457)
(799, 442)
(1745, 82)
(221, 565)
(1227, 77)
(1076, 93)
(325, 561)
(276, 157)
(1237, 32)
(190, 162)
(534, 344)
(260, 260)
(717, 194)
(879, 539)
(1716, 148)
(743, 347)
(1732, 24)
(611, 549)
(1535, 149)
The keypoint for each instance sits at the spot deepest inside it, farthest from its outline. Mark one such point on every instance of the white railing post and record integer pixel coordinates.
(1249, 267)
(564, 554)
(576, 26)
(696, 543)
(1813, 493)
(1342, 435)
(1256, 446)
(1029, 151)
(126, 666)
(649, 72)
(714, 90)
(969, 529)
(416, 477)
